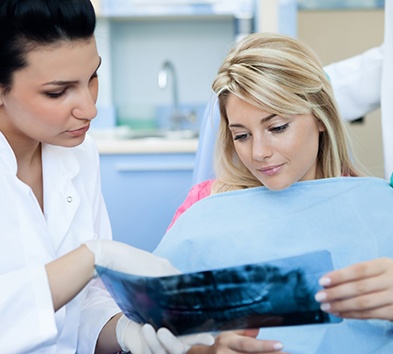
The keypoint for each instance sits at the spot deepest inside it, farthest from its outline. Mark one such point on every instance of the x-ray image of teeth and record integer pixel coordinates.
(277, 293)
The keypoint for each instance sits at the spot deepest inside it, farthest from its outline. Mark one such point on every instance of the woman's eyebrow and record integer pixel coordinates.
(60, 83)
(263, 120)
(65, 83)
(235, 125)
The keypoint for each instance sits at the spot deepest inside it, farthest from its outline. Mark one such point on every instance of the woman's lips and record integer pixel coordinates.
(271, 170)
(79, 132)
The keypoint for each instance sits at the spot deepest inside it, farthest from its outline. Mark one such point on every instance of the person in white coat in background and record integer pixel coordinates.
(364, 83)
(54, 224)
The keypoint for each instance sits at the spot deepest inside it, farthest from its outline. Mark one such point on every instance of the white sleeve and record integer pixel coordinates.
(357, 83)
(26, 289)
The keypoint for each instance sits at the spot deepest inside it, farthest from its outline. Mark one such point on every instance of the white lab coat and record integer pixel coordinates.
(74, 212)
(364, 82)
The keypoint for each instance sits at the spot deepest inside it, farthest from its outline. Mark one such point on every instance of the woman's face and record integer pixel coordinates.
(278, 151)
(52, 99)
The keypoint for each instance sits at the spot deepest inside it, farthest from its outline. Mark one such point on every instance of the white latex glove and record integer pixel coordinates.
(127, 259)
(130, 335)
(130, 338)
(164, 341)
(143, 339)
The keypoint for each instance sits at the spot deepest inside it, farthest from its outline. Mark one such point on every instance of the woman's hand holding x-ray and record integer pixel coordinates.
(240, 342)
(362, 291)
(163, 341)
(127, 259)
(144, 339)
(134, 337)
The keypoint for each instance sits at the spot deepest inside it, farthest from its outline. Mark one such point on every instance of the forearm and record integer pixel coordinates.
(69, 274)
(107, 341)
(200, 349)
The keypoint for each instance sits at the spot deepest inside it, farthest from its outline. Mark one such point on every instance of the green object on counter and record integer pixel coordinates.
(391, 180)
(136, 116)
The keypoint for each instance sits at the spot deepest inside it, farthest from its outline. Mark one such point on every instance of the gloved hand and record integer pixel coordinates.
(131, 336)
(143, 339)
(164, 338)
(127, 259)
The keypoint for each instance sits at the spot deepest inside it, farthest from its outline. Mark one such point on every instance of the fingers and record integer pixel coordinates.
(373, 305)
(248, 332)
(357, 280)
(357, 303)
(244, 344)
(152, 340)
(352, 289)
(244, 341)
(172, 344)
(197, 339)
(382, 313)
(130, 337)
(363, 290)
(164, 341)
(357, 271)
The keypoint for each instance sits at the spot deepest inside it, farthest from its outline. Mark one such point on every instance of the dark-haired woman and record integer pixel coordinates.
(55, 227)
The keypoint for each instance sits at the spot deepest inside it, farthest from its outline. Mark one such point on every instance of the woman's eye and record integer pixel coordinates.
(241, 136)
(279, 129)
(55, 94)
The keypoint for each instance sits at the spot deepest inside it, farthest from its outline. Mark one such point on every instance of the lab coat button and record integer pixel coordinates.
(69, 199)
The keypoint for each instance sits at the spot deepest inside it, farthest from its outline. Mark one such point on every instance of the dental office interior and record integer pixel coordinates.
(159, 58)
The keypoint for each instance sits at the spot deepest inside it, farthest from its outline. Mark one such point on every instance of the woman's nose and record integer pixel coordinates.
(86, 107)
(261, 149)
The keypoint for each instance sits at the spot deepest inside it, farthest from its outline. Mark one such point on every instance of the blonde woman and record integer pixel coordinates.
(285, 185)
(275, 75)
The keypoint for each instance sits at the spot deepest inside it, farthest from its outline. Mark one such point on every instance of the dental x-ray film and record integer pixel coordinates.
(274, 293)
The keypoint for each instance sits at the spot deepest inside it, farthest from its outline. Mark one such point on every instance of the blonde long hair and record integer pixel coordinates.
(282, 76)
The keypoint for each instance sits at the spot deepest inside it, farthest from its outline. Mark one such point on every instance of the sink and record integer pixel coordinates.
(123, 133)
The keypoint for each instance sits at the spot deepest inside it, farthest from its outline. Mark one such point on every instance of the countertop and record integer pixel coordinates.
(145, 146)
(120, 141)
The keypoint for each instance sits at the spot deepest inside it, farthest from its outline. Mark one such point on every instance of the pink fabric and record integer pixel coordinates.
(197, 192)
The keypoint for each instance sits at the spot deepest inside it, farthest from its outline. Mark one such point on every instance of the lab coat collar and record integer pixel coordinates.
(61, 199)
(68, 165)
(7, 154)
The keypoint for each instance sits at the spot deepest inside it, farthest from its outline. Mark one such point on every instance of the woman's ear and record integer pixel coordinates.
(2, 92)
(321, 126)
